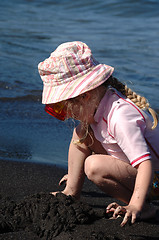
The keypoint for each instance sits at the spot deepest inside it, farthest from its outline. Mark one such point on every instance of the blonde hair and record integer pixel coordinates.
(73, 104)
(140, 102)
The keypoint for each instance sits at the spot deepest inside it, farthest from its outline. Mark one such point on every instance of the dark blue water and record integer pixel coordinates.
(121, 33)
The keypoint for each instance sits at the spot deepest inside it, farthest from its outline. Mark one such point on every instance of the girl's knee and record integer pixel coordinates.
(98, 166)
(91, 167)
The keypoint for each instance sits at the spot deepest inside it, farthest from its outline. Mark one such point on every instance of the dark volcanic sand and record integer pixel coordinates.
(28, 211)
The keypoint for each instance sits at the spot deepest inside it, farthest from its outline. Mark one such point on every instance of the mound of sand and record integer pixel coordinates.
(44, 214)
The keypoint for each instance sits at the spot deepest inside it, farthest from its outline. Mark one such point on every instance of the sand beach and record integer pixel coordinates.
(29, 212)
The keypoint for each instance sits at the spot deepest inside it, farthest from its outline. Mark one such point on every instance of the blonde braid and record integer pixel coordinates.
(141, 102)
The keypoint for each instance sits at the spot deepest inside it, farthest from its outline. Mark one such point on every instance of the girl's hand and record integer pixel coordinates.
(67, 191)
(129, 212)
(64, 179)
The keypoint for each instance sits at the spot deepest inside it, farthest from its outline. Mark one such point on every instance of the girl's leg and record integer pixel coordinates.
(77, 155)
(115, 177)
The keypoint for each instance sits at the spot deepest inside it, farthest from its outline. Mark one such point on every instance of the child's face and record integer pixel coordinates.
(81, 109)
(78, 108)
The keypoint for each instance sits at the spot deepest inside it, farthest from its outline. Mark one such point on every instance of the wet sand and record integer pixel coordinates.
(28, 211)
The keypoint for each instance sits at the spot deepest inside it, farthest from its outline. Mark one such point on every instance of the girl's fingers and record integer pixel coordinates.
(64, 179)
(119, 211)
(113, 205)
(129, 216)
(54, 193)
(133, 220)
(126, 219)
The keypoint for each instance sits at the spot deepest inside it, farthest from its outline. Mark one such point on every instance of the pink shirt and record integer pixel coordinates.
(125, 131)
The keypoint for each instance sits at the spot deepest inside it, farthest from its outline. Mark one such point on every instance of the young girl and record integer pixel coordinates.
(116, 142)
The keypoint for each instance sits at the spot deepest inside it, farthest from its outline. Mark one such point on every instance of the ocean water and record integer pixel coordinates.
(121, 33)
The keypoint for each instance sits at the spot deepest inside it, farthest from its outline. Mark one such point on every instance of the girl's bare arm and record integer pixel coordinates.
(76, 158)
(141, 188)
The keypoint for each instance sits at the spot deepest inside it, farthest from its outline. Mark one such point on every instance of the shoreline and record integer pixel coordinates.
(25, 180)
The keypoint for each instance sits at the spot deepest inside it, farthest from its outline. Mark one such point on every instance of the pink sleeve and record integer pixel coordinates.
(128, 126)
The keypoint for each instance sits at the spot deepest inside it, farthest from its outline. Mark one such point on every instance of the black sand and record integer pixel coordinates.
(29, 212)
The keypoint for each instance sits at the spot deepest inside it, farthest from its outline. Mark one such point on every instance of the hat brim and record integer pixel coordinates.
(94, 78)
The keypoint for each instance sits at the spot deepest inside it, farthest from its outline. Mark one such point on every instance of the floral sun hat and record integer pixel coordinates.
(70, 71)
